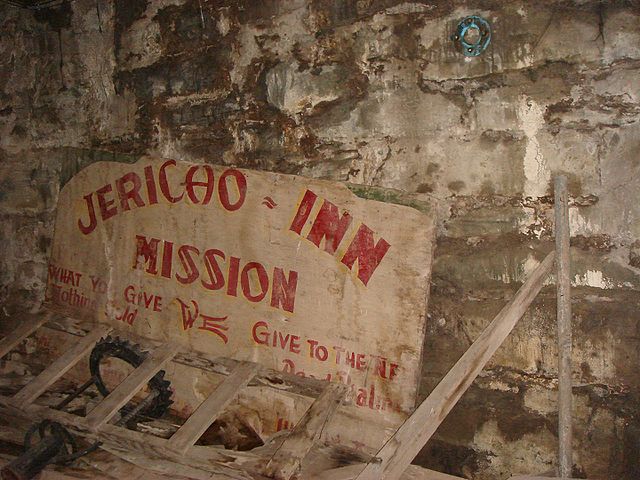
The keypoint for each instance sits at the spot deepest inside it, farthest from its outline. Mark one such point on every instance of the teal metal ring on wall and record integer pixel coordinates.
(473, 35)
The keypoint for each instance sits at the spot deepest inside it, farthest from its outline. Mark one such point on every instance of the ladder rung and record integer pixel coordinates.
(59, 367)
(26, 328)
(124, 392)
(189, 433)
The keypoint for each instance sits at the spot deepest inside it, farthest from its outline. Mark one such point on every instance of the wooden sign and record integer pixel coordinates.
(299, 275)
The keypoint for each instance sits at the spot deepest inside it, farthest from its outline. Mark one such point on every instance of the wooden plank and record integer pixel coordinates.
(158, 465)
(396, 455)
(48, 473)
(124, 392)
(285, 462)
(59, 367)
(563, 289)
(529, 477)
(413, 472)
(24, 329)
(112, 467)
(219, 461)
(214, 404)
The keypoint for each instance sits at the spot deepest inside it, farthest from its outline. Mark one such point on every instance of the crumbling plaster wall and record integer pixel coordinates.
(374, 92)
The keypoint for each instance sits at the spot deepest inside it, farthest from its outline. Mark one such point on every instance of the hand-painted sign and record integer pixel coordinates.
(297, 274)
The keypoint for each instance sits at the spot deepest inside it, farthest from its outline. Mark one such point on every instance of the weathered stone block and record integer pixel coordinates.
(294, 91)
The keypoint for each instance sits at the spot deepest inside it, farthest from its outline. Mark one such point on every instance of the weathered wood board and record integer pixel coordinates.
(296, 274)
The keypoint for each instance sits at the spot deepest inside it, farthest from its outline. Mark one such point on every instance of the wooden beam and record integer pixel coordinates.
(59, 367)
(24, 329)
(231, 463)
(563, 289)
(124, 392)
(112, 467)
(413, 472)
(159, 465)
(208, 411)
(396, 455)
(286, 460)
(530, 477)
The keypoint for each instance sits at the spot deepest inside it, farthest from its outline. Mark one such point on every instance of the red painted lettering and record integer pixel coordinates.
(304, 210)
(147, 252)
(132, 193)
(351, 359)
(322, 353)
(167, 257)
(208, 184)
(190, 269)
(283, 293)
(261, 337)
(164, 183)
(393, 370)
(312, 347)
(213, 270)
(241, 188)
(152, 194)
(294, 344)
(232, 277)
(92, 216)
(245, 281)
(330, 226)
(188, 317)
(107, 210)
(363, 250)
(360, 362)
(338, 351)
(289, 366)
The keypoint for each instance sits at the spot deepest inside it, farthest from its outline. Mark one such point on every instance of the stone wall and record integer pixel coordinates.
(374, 92)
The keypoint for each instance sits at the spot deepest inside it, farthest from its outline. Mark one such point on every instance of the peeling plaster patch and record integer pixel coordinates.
(370, 161)
(602, 361)
(501, 386)
(196, 98)
(431, 34)
(527, 221)
(527, 355)
(541, 400)
(530, 265)
(519, 274)
(579, 225)
(524, 55)
(293, 91)
(166, 145)
(245, 51)
(592, 278)
(140, 43)
(536, 170)
(223, 24)
(508, 456)
(409, 7)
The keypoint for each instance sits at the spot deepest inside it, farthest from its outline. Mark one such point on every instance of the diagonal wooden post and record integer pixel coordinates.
(287, 459)
(396, 455)
(563, 287)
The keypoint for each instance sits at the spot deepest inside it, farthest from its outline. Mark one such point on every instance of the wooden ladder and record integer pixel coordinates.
(391, 462)
(282, 464)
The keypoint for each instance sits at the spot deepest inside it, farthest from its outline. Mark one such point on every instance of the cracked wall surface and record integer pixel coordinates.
(374, 92)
